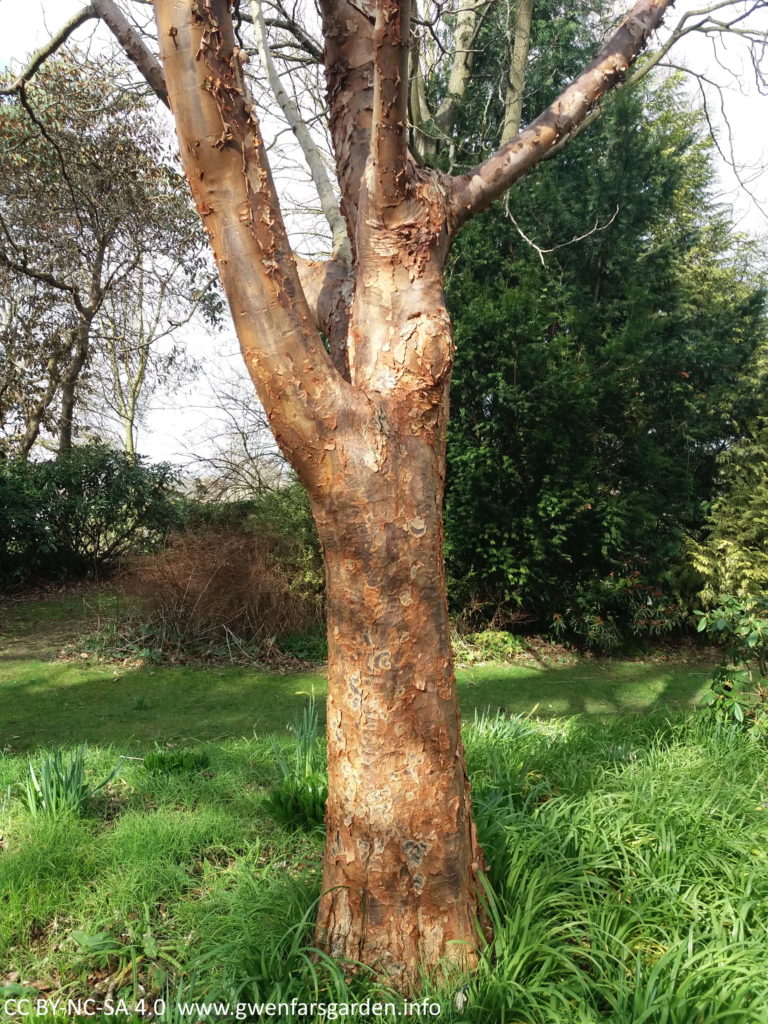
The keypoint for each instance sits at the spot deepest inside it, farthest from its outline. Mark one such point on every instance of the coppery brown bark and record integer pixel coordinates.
(364, 426)
(401, 860)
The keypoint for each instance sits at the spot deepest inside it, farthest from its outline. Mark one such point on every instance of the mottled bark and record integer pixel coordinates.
(348, 34)
(364, 426)
(226, 166)
(401, 858)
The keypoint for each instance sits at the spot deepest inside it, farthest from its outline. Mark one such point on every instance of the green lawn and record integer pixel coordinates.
(48, 703)
(625, 836)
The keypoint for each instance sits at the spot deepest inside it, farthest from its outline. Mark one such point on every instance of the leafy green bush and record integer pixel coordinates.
(299, 799)
(590, 396)
(487, 645)
(309, 646)
(740, 626)
(608, 614)
(80, 513)
(58, 787)
(733, 555)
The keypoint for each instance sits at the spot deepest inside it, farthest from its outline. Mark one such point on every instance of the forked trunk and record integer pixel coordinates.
(401, 854)
(364, 426)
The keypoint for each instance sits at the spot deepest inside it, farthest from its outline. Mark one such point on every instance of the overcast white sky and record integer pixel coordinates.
(26, 24)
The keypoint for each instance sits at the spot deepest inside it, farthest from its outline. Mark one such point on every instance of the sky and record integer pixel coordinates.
(175, 425)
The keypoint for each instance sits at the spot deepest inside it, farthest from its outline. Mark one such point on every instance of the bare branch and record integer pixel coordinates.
(476, 190)
(389, 141)
(301, 38)
(22, 267)
(133, 46)
(129, 39)
(560, 245)
(299, 128)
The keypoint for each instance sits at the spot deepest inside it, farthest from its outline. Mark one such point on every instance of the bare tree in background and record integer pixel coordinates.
(351, 358)
(92, 219)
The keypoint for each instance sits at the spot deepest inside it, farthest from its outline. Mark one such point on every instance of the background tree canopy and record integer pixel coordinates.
(595, 386)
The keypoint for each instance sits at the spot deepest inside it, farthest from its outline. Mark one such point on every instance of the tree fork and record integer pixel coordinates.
(365, 429)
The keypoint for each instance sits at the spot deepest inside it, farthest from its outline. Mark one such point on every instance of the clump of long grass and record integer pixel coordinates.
(627, 878)
(298, 800)
(56, 785)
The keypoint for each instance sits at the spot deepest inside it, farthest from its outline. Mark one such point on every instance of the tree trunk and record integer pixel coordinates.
(364, 427)
(401, 856)
(69, 379)
(400, 888)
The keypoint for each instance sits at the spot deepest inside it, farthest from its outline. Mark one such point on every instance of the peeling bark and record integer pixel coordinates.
(348, 34)
(363, 422)
(226, 166)
(476, 190)
(401, 859)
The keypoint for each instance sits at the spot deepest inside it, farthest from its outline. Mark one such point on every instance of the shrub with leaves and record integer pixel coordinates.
(81, 513)
(487, 645)
(733, 556)
(737, 695)
(57, 785)
(605, 615)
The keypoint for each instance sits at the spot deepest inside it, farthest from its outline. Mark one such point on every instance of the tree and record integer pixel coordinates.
(92, 218)
(352, 362)
(596, 380)
(137, 352)
(731, 552)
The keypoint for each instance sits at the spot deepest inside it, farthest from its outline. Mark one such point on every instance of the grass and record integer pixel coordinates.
(48, 703)
(627, 864)
(51, 703)
(626, 839)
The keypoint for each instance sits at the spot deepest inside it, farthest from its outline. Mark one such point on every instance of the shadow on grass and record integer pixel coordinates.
(56, 703)
(589, 688)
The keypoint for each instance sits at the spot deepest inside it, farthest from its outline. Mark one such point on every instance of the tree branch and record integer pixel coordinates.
(301, 38)
(468, 22)
(129, 39)
(133, 46)
(23, 268)
(389, 139)
(38, 58)
(227, 169)
(329, 287)
(322, 182)
(476, 190)
(348, 32)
